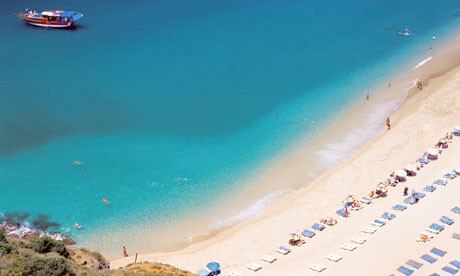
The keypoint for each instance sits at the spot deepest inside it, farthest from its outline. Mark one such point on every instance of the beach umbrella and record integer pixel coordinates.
(213, 266)
(349, 200)
(401, 173)
(294, 237)
(204, 272)
(432, 151)
(457, 127)
(382, 187)
(410, 167)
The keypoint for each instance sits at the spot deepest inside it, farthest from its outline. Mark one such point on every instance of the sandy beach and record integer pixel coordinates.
(423, 118)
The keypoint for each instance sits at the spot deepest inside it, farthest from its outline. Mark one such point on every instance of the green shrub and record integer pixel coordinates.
(46, 244)
(6, 248)
(38, 266)
(3, 237)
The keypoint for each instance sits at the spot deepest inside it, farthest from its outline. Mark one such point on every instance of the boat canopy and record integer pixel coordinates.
(66, 14)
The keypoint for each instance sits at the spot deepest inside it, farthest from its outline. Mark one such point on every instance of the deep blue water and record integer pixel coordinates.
(170, 104)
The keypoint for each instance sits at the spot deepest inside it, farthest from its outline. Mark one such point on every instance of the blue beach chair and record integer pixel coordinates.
(388, 216)
(419, 195)
(318, 226)
(446, 220)
(377, 222)
(429, 189)
(341, 212)
(455, 263)
(456, 210)
(308, 233)
(430, 259)
(404, 270)
(398, 207)
(455, 133)
(448, 176)
(424, 160)
(440, 182)
(414, 264)
(366, 200)
(436, 226)
(438, 252)
(410, 200)
(450, 270)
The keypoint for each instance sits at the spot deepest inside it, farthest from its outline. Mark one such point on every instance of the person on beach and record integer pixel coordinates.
(389, 84)
(419, 85)
(77, 162)
(388, 123)
(405, 191)
(124, 252)
(367, 97)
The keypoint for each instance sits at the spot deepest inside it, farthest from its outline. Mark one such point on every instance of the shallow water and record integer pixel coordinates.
(171, 105)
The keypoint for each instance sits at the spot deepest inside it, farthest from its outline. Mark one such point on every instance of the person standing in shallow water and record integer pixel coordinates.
(388, 123)
(124, 252)
(367, 97)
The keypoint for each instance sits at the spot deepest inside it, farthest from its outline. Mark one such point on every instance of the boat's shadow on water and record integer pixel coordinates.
(68, 29)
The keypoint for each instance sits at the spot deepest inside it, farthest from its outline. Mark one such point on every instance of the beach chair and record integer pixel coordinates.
(450, 270)
(388, 216)
(404, 270)
(317, 267)
(431, 236)
(369, 230)
(432, 230)
(449, 176)
(349, 247)
(428, 258)
(456, 236)
(234, 273)
(455, 133)
(410, 200)
(358, 240)
(455, 263)
(438, 252)
(419, 195)
(436, 226)
(429, 189)
(254, 266)
(446, 220)
(268, 258)
(333, 257)
(378, 223)
(366, 200)
(456, 210)
(283, 250)
(341, 212)
(318, 226)
(414, 264)
(399, 207)
(308, 233)
(440, 182)
(423, 160)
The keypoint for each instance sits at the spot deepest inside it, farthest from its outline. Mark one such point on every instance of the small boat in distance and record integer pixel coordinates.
(51, 18)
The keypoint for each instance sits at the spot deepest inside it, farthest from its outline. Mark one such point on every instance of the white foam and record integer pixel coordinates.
(22, 231)
(353, 139)
(420, 64)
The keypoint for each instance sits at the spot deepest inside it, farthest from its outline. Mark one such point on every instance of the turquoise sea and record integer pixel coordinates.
(171, 104)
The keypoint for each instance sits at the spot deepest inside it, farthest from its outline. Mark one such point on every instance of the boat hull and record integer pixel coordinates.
(50, 25)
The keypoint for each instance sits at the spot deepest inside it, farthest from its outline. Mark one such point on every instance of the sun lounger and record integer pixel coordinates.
(308, 233)
(429, 189)
(283, 250)
(428, 258)
(450, 270)
(254, 266)
(398, 207)
(438, 252)
(318, 226)
(414, 264)
(456, 236)
(341, 212)
(423, 160)
(455, 263)
(446, 220)
(410, 200)
(366, 200)
(440, 182)
(378, 223)
(432, 230)
(358, 240)
(456, 210)
(436, 226)
(369, 230)
(317, 267)
(388, 216)
(456, 133)
(449, 175)
(268, 258)
(404, 270)
(419, 195)
(234, 273)
(349, 247)
(333, 257)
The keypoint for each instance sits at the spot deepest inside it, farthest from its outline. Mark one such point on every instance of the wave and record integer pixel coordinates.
(420, 64)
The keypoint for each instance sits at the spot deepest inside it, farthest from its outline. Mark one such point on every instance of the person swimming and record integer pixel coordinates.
(105, 200)
(77, 162)
(78, 226)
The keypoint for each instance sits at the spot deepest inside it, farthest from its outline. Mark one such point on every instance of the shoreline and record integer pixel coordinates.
(435, 67)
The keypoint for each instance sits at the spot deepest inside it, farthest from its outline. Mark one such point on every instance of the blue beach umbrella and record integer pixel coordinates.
(203, 272)
(213, 266)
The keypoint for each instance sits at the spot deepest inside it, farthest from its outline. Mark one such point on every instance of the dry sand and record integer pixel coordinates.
(424, 117)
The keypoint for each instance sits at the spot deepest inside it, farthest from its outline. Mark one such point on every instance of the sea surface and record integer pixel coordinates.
(175, 108)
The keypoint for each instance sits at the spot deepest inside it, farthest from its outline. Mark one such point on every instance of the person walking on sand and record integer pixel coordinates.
(367, 97)
(389, 84)
(124, 252)
(388, 123)
(405, 191)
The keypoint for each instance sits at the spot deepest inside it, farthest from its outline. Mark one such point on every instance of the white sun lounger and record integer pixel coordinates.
(268, 258)
(432, 230)
(378, 223)
(333, 257)
(254, 267)
(431, 236)
(366, 200)
(369, 230)
(349, 247)
(234, 273)
(358, 240)
(317, 267)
